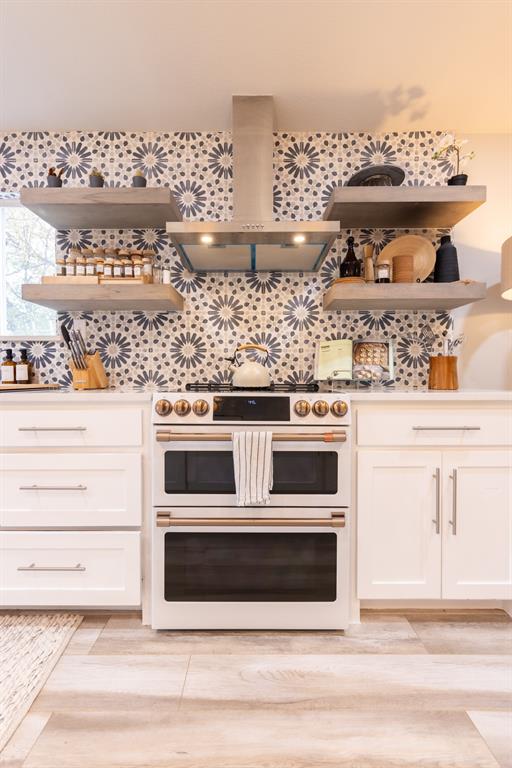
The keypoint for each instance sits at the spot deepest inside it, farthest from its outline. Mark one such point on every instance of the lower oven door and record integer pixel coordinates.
(251, 574)
(306, 473)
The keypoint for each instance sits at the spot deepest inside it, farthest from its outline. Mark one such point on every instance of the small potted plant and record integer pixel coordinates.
(451, 146)
(139, 180)
(54, 178)
(96, 178)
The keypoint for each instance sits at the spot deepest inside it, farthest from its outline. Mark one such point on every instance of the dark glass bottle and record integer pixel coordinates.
(350, 266)
(23, 369)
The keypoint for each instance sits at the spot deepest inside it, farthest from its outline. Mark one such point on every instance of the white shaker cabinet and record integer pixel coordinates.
(477, 525)
(399, 524)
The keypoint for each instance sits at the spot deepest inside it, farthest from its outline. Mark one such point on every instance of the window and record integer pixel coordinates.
(27, 251)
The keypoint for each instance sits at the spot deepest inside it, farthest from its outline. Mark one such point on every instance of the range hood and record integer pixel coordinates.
(252, 241)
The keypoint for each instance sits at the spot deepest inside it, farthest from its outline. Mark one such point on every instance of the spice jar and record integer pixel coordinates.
(128, 267)
(60, 267)
(90, 266)
(157, 274)
(108, 267)
(100, 265)
(147, 267)
(118, 267)
(70, 266)
(80, 266)
(383, 272)
(137, 267)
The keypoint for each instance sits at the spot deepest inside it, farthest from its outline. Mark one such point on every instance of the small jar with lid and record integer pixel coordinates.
(137, 266)
(147, 267)
(70, 265)
(383, 272)
(100, 265)
(128, 267)
(60, 266)
(108, 267)
(118, 267)
(80, 266)
(90, 266)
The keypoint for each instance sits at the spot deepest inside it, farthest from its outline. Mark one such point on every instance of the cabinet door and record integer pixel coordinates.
(398, 511)
(477, 526)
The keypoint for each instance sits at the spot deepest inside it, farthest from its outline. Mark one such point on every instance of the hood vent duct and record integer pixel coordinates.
(252, 240)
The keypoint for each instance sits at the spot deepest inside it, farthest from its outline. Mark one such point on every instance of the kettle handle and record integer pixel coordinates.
(252, 346)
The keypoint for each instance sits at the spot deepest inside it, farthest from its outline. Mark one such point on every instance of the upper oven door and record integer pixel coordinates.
(307, 472)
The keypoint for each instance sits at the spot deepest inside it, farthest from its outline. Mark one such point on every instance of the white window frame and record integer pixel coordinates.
(8, 203)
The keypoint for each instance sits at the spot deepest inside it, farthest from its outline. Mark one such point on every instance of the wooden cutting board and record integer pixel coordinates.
(21, 387)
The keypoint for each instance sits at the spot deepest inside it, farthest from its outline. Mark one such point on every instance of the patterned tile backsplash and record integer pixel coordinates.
(282, 311)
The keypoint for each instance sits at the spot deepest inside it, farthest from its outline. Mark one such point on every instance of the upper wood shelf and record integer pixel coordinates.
(440, 296)
(110, 298)
(102, 208)
(402, 207)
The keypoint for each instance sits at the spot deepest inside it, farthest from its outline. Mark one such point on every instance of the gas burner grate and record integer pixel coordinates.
(212, 386)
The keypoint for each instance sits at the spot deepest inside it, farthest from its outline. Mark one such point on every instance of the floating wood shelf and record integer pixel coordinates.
(103, 208)
(442, 296)
(111, 298)
(402, 207)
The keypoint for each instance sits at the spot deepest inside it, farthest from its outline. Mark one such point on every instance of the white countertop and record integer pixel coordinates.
(71, 397)
(107, 396)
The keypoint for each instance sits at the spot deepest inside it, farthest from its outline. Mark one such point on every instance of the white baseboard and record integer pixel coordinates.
(440, 605)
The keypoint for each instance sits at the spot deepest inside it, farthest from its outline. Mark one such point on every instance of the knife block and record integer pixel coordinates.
(93, 377)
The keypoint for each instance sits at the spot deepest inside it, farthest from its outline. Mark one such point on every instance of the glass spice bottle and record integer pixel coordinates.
(118, 267)
(80, 266)
(70, 266)
(90, 266)
(108, 267)
(100, 265)
(137, 267)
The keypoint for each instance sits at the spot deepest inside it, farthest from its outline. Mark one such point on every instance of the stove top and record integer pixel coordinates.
(213, 386)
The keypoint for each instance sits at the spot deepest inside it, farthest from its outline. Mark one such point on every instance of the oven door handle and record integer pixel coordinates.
(164, 520)
(280, 437)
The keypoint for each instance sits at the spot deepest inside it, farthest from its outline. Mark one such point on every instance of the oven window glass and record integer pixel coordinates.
(295, 472)
(250, 567)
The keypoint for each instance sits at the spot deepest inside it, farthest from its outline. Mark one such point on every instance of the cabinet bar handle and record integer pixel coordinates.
(53, 488)
(52, 429)
(437, 519)
(34, 567)
(445, 429)
(453, 521)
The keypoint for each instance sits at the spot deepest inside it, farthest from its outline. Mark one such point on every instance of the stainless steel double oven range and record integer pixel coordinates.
(219, 566)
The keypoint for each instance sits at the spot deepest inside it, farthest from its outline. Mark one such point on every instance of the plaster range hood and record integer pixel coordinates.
(252, 240)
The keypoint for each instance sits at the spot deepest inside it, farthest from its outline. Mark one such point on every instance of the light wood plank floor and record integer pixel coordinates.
(427, 689)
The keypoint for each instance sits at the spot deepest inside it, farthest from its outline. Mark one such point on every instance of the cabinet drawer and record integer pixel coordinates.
(70, 427)
(436, 427)
(49, 490)
(70, 569)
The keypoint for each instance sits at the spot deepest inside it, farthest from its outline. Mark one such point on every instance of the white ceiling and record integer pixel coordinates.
(330, 64)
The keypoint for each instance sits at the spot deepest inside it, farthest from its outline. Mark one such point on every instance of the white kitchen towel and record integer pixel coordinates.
(254, 475)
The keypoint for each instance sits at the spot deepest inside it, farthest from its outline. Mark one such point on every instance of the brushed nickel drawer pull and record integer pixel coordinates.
(327, 437)
(445, 429)
(34, 567)
(166, 521)
(52, 429)
(53, 488)
(437, 519)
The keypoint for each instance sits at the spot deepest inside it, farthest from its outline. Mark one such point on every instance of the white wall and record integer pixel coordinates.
(486, 357)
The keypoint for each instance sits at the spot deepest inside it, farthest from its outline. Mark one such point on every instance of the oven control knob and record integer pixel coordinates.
(200, 407)
(163, 407)
(181, 407)
(339, 408)
(320, 408)
(302, 408)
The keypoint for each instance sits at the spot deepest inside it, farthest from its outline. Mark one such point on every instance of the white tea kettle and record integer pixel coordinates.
(250, 374)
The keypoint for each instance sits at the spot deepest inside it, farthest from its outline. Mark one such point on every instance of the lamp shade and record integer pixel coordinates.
(506, 269)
